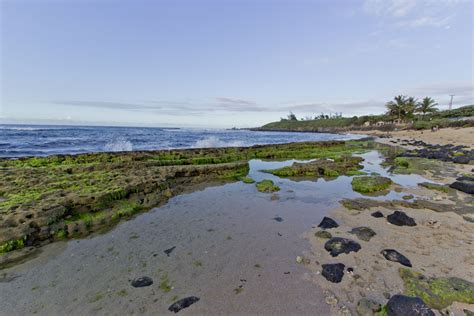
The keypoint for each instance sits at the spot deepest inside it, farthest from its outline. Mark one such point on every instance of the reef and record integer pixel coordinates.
(67, 196)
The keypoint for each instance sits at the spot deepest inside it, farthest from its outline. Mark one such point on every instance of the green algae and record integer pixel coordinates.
(331, 168)
(437, 293)
(436, 187)
(369, 184)
(267, 186)
(68, 196)
(247, 180)
(165, 285)
(355, 173)
(12, 245)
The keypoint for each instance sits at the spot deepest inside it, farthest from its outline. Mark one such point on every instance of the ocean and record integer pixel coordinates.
(43, 140)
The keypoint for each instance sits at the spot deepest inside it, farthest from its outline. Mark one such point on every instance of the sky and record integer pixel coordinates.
(218, 63)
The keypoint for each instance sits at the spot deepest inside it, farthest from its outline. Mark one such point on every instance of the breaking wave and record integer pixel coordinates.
(213, 141)
(119, 144)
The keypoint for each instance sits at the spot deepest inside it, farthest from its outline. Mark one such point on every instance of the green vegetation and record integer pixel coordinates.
(369, 184)
(355, 173)
(73, 195)
(339, 165)
(437, 293)
(267, 186)
(12, 245)
(247, 180)
(404, 110)
(165, 285)
(410, 165)
(436, 187)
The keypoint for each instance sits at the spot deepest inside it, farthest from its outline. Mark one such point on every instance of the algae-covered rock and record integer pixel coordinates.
(337, 245)
(267, 186)
(367, 307)
(321, 168)
(369, 184)
(363, 233)
(247, 180)
(323, 234)
(437, 293)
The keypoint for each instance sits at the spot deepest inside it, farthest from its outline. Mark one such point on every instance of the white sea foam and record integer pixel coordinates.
(119, 144)
(213, 141)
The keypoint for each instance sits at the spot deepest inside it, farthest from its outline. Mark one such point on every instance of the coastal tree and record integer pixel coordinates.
(427, 105)
(292, 117)
(402, 107)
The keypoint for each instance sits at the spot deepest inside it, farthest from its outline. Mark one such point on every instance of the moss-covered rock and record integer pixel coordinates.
(247, 180)
(437, 293)
(321, 168)
(436, 187)
(369, 184)
(267, 186)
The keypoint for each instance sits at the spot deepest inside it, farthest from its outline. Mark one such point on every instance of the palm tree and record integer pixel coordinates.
(410, 107)
(427, 105)
(397, 107)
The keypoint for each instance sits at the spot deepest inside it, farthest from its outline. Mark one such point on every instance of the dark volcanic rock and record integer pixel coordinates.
(395, 256)
(462, 159)
(142, 282)
(183, 303)
(465, 185)
(401, 305)
(400, 219)
(327, 223)
(377, 214)
(169, 251)
(363, 233)
(333, 272)
(337, 245)
(278, 219)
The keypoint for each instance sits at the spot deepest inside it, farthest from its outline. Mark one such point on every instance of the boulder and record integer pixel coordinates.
(395, 256)
(328, 223)
(333, 272)
(337, 245)
(323, 234)
(401, 305)
(400, 219)
(465, 186)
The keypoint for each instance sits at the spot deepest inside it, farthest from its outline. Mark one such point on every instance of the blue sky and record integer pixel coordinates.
(228, 63)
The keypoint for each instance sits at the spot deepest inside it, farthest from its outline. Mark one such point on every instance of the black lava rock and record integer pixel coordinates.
(395, 256)
(327, 223)
(333, 272)
(337, 245)
(183, 303)
(363, 233)
(377, 214)
(462, 159)
(400, 219)
(278, 219)
(401, 305)
(142, 282)
(465, 186)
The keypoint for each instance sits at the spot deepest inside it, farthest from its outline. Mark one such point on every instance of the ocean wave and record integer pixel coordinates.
(214, 141)
(119, 144)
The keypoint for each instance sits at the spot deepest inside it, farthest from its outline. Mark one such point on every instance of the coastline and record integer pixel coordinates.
(444, 218)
